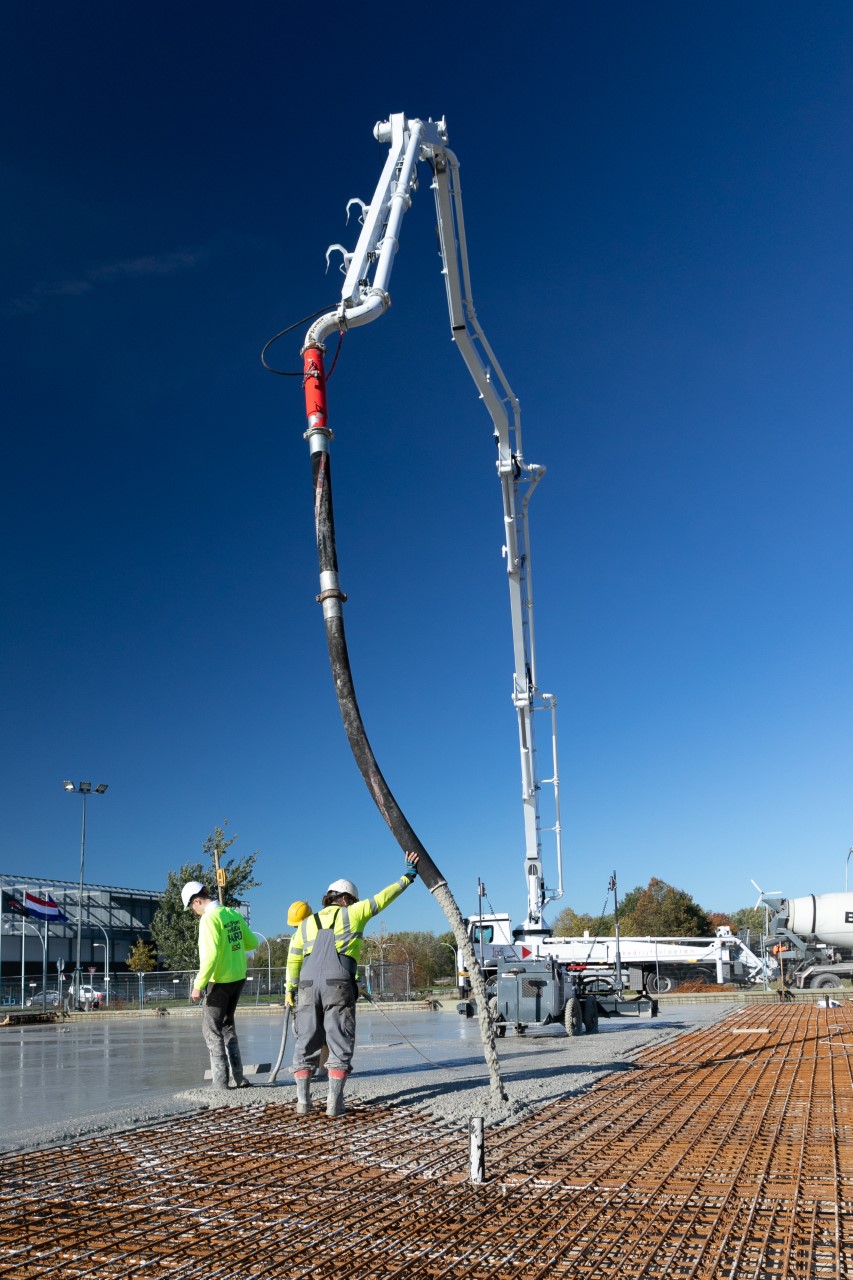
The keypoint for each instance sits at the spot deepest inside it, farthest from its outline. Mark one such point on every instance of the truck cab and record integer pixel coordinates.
(491, 938)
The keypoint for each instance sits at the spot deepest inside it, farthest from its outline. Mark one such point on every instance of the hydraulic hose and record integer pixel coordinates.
(345, 689)
(332, 599)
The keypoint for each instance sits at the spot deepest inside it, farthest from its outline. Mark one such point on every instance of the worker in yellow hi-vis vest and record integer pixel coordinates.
(321, 969)
(296, 913)
(223, 940)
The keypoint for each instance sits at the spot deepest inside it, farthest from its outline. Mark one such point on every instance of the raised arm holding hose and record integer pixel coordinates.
(321, 980)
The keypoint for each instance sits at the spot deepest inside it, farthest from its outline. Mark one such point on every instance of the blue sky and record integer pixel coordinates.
(659, 206)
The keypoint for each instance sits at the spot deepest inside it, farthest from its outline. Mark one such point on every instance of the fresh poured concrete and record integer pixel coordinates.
(65, 1080)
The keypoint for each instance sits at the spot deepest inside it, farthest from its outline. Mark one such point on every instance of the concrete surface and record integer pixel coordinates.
(67, 1080)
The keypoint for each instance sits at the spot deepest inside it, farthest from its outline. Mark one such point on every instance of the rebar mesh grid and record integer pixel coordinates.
(726, 1153)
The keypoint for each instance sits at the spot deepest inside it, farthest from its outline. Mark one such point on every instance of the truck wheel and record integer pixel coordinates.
(498, 1024)
(590, 1015)
(573, 1017)
(659, 984)
(824, 981)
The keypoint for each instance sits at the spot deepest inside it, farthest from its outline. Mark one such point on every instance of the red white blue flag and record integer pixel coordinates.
(43, 908)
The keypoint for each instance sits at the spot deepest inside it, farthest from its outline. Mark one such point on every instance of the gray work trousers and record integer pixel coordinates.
(217, 1027)
(325, 1007)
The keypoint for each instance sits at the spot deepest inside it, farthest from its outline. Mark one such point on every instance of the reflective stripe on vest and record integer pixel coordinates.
(344, 937)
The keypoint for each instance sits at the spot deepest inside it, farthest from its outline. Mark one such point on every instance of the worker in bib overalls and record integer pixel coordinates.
(296, 913)
(321, 982)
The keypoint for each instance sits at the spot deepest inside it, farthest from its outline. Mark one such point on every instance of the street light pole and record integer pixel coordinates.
(460, 987)
(409, 967)
(106, 947)
(25, 924)
(269, 962)
(106, 964)
(846, 865)
(84, 789)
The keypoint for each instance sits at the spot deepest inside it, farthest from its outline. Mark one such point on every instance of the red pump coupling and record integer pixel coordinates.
(314, 383)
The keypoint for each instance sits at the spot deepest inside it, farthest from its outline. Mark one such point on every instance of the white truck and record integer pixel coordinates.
(654, 966)
(813, 938)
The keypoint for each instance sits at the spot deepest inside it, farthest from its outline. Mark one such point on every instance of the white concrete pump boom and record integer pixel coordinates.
(364, 298)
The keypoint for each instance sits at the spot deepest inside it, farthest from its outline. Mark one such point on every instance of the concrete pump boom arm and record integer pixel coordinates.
(364, 298)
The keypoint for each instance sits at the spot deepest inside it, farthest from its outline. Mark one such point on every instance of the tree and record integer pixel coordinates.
(628, 904)
(662, 911)
(423, 954)
(279, 948)
(446, 960)
(428, 958)
(142, 957)
(751, 918)
(174, 930)
(572, 924)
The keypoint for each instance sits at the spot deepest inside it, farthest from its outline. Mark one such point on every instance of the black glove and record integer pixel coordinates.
(411, 872)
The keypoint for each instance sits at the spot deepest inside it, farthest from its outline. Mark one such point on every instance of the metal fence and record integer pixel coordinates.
(136, 990)
(387, 981)
(129, 990)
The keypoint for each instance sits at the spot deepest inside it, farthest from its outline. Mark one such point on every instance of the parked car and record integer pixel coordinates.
(161, 993)
(52, 999)
(95, 998)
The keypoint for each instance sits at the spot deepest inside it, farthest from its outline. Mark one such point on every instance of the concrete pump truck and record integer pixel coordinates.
(533, 978)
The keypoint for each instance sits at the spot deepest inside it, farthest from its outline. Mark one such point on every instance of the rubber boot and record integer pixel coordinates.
(335, 1100)
(235, 1065)
(303, 1091)
(219, 1071)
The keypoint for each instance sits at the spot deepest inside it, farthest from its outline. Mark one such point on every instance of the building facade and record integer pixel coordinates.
(36, 942)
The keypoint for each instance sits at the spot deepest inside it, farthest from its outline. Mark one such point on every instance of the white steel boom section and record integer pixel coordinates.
(365, 298)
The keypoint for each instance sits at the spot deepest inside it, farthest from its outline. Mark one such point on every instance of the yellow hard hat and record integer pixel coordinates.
(297, 912)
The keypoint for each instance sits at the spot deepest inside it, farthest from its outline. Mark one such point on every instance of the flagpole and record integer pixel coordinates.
(23, 952)
(80, 900)
(44, 968)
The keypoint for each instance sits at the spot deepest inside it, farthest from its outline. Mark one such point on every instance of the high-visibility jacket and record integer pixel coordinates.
(348, 924)
(223, 940)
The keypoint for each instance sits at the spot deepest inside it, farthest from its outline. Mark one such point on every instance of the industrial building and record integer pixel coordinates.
(39, 934)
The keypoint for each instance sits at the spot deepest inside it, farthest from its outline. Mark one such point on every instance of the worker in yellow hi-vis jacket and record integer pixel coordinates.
(223, 940)
(296, 913)
(321, 971)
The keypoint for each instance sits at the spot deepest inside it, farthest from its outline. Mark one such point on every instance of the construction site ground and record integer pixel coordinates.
(714, 1141)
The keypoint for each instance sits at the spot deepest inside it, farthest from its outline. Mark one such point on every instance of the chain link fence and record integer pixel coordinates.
(387, 981)
(264, 984)
(133, 990)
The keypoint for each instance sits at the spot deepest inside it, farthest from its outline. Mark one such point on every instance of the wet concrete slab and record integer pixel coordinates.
(71, 1076)
(708, 1154)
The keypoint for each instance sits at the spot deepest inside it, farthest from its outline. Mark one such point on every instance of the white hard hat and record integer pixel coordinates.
(190, 890)
(343, 886)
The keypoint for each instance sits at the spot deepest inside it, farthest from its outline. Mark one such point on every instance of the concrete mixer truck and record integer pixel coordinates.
(813, 937)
